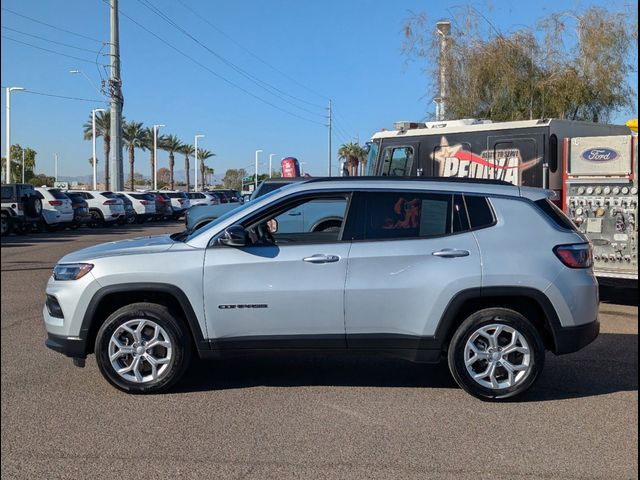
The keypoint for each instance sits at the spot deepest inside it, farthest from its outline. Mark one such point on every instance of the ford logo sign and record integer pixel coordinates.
(600, 154)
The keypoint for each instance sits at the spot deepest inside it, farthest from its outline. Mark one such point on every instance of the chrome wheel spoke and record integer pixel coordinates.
(132, 358)
(498, 366)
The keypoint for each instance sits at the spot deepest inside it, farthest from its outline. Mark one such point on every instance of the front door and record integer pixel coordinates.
(283, 290)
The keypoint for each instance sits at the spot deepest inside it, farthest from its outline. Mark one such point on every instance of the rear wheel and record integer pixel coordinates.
(143, 348)
(496, 354)
(96, 219)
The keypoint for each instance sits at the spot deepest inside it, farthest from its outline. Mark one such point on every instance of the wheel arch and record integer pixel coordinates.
(108, 299)
(323, 221)
(531, 303)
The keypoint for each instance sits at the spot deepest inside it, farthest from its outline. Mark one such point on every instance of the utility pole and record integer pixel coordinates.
(196, 166)
(329, 116)
(115, 91)
(258, 152)
(444, 31)
(23, 165)
(271, 155)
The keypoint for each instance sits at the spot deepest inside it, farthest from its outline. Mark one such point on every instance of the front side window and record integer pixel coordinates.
(7, 193)
(372, 158)
(408, 215)
(315, 220)
(397, 161)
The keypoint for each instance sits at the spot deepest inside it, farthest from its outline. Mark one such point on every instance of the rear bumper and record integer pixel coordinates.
(572, 339)
(70, 346)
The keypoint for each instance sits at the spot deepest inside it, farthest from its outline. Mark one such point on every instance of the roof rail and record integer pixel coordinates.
(412, 179)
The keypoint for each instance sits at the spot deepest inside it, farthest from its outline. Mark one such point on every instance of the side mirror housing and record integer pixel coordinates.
(234, 236)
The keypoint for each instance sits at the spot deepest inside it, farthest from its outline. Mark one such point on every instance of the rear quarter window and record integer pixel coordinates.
(554, 214)
(479, 211)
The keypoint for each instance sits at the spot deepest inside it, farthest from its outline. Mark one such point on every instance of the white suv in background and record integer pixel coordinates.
(104, 207)
(201, 198)
(144, 205)
(56, 208)
(179, 202)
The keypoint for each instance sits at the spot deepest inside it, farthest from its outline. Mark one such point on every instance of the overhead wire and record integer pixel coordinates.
(271, 89)
(48, 40)
(65, 97)
(52, 26)
(257, 57)
(48, 50)
(212, 72)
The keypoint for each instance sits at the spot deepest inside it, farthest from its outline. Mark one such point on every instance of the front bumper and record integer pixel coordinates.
(572, 339)
(74, 347)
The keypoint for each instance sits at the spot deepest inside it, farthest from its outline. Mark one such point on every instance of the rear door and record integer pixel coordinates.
(415, 252)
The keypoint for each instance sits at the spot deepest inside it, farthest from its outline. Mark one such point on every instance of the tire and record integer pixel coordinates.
(6, 225)
(96, 219)
(476, 332)
(33, 206)
(172, 330)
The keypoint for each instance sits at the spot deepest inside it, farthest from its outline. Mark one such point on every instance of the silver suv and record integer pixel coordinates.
(486, 275)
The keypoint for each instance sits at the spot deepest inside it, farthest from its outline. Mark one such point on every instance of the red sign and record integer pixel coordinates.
(290, 167)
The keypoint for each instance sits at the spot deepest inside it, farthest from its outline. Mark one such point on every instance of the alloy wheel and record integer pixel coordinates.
(497, 356)
(140, 351)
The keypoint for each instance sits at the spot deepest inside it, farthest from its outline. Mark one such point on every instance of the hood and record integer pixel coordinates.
(121, 247)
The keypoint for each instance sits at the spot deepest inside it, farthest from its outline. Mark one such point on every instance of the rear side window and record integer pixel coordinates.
(109, 195)
(556, 215)
(480, 212)
(408, 215)
(176, 195)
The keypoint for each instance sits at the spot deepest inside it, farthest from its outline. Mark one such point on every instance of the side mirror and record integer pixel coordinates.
(234, 236)
(272, 225)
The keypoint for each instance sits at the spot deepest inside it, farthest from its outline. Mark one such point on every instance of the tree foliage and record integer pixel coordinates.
(16, 163)
(233, 178)
(571, 65)
(354, 156)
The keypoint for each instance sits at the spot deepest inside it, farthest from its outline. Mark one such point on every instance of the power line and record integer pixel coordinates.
(260, 83)
(59, 96)
(217, 75)
(224, 34)
(52, 26)
(48, 50)
(48, 40)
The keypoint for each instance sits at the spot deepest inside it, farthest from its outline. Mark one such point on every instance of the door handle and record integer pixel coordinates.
(321, 258)
(295, 214)
(450, 253)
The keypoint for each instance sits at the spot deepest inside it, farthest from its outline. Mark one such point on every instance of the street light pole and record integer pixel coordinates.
(93, 140)
(155, 155)
(55, 166)
(8, 134)
(195, 143)
(256, 179)
(271, 155)
(23, 165)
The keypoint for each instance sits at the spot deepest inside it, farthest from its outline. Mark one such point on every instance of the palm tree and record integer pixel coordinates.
(171, 144)
(103, 129)
(187, 150)
(209, 171)
(133, 136)
(202, 156)
(148, 144)
(353, 154)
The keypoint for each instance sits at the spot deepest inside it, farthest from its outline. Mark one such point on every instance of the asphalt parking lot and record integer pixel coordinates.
(304, 417)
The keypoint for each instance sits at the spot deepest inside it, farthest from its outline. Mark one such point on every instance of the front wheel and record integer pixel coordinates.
(6, 226)
(496, 354)
(143, 348)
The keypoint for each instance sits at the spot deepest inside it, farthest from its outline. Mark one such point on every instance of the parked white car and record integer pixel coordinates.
(56, 208)
(179, 202)
(104, 207)
(144, 205)
(202, 198)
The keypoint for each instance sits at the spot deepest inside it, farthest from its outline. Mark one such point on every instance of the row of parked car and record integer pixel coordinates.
(26, 208)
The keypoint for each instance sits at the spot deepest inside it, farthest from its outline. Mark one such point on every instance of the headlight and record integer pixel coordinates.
(71, 271)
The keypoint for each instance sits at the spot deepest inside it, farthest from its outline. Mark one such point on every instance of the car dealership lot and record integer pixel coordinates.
(307, 417)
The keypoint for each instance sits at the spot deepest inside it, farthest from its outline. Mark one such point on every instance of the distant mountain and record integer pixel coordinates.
(179, 176)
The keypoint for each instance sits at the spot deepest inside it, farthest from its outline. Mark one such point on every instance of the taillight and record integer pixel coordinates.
(55, 203)
(575, 256)
(110, 202)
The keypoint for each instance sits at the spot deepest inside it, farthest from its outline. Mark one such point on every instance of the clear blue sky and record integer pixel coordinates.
(348, 51)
